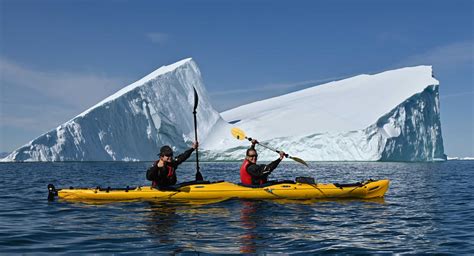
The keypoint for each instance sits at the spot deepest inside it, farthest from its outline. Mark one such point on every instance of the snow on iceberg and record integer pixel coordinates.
(391, 116)
(132, 124)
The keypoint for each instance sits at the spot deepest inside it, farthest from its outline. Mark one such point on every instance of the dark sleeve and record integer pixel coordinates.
(271, 166)
(256, 170)
(152, 173)
(261, 170)
(183, 157)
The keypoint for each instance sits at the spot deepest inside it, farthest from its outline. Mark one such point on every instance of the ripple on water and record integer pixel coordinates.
(428, 209)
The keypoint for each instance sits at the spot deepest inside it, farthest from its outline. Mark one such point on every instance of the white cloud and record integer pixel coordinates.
(77, 89)
(278, 87)
(446, 56)
(157, 37)
(35, 101)
(224, 100)
(457, 94)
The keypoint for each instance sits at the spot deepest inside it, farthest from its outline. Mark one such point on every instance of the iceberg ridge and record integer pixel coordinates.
(132, 124)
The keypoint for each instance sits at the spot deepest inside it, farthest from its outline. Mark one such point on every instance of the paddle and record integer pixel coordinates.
(240, 135)
(196, 99)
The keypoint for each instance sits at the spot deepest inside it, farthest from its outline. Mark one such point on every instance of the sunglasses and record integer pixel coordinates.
(168, 155)
(256, 155)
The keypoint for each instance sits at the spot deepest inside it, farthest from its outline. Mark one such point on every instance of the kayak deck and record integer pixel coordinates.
(225, 190)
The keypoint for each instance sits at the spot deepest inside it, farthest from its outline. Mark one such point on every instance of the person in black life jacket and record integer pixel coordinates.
(163, 172)
(252, 173)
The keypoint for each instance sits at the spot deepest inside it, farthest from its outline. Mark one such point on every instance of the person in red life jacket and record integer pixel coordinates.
(252, 173)
(163, 172)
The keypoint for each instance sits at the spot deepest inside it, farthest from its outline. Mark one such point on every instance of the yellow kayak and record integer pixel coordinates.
(225, 190)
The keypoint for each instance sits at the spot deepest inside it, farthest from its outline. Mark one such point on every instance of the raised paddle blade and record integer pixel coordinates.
(196, 99)
(238, 133)
(299, 160)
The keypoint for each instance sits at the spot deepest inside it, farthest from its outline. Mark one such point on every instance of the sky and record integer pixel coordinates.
(58, 58)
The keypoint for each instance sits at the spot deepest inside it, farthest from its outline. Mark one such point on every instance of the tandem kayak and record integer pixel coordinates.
(220, 190)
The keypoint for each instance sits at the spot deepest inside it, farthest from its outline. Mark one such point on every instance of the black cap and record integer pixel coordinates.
(165, 150)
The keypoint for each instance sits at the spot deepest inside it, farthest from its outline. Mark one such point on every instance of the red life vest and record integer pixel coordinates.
(170, 171)
(245, 177)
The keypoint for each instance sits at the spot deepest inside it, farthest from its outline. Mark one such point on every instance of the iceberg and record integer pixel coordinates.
(456, 158)
(390, 116)
(133, 123)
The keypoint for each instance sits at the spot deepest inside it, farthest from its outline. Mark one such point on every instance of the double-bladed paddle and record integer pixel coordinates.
(196, 100)
(240, 135)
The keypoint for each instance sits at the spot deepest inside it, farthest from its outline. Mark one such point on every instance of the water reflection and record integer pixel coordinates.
(249, 219)
(380, 200)
(163, 220)
(427, 210)
(188, 226)
(291, 223)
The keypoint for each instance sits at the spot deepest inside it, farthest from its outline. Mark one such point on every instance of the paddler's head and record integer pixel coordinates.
(251, 155)
(166, 153)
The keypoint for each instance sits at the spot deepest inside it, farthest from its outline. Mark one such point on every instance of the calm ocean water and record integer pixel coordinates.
(429, 208)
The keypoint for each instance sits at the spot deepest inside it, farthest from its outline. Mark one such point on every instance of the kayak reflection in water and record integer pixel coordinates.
(163, 172)
(252, 173)
(163, 220)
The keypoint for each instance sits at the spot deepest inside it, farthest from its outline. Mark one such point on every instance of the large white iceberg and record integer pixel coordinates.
(391, 116)
(132, 124)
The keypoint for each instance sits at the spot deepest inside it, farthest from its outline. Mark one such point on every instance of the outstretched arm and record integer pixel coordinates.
(262, 170)
(186, 154)
(272, 166)
(257, 170)
(183, 157)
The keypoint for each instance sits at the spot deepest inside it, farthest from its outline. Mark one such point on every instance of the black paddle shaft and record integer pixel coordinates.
(196, 100)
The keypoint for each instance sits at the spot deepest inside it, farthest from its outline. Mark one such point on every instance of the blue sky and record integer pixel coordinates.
(57, 58)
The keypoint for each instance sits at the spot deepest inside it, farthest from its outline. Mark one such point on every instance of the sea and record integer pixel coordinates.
(428, 209)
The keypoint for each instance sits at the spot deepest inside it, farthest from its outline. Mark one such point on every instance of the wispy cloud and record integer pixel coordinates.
(158, 37)
(76, 89)
(391, 37)
(457, 94)
(278, 87)
(446, 56)
(227, 99)
(36, 100)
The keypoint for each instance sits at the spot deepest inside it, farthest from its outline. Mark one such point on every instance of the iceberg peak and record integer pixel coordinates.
(133, 123)
(158, 72)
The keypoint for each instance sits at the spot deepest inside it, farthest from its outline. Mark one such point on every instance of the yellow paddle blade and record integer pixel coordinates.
(299, 160)
(238, 133)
